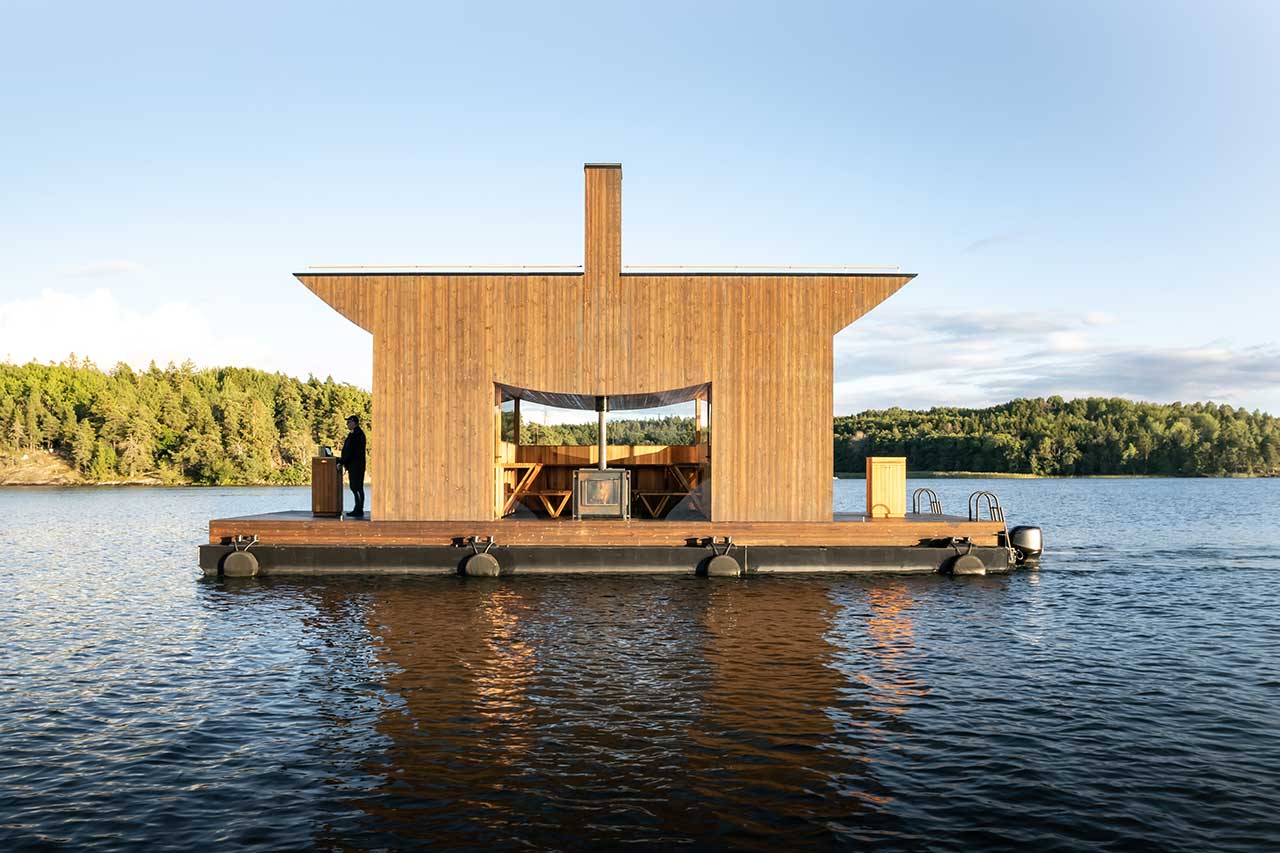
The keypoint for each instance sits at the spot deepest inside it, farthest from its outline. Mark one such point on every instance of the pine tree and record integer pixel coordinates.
(82, 446)
(137, 446)
(103, 465)
(17, 430)
(35, 408)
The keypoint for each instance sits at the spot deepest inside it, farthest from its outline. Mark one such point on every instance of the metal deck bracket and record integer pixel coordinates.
(726, 543)
(476, 541)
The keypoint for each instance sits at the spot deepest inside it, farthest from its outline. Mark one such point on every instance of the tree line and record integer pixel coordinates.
(1055, 437)
(178, 424)
(671, 429)
(181, 424)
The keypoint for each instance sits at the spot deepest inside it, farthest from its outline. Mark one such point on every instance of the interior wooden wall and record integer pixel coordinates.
(763, 342)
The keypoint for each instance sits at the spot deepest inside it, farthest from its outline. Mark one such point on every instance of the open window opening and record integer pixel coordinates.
(656, 454)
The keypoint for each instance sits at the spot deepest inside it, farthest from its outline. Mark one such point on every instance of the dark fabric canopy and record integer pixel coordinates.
(617, 402)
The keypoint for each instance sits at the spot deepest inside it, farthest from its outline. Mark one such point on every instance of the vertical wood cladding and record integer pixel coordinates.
(440, 342)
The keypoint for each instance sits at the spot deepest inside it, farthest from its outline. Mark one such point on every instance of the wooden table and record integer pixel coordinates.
(686, 476)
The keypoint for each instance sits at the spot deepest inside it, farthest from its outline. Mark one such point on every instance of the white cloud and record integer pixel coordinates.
(983, 358)
(51, 326)
(101, 269)
(1067, 341)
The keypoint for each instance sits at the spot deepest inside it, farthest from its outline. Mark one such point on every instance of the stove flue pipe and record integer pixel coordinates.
(602, 406)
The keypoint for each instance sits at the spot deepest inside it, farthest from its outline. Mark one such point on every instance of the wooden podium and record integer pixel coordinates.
(326, 487)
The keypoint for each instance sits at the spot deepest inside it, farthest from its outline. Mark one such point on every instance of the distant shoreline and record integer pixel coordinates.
(42, 468)
(56, 482)
(45, 468)
(37, 468)
(998, 475)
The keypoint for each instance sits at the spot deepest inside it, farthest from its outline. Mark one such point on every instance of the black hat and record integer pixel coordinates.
(355, 418)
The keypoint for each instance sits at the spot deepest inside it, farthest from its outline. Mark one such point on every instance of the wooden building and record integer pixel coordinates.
(756, 346)
(752, 348)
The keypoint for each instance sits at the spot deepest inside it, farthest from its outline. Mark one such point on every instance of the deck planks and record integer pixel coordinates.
(299, 528)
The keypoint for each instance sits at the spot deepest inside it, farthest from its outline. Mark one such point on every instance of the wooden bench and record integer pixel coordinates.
(526, 473)
(648, 498)
(553, 508)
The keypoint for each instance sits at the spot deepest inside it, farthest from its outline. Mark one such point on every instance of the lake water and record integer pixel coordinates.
(1124, 697)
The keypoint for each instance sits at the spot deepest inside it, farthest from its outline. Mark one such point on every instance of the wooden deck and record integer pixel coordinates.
(300, 528)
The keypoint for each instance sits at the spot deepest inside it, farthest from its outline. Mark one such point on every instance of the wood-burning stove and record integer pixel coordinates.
(601, 493)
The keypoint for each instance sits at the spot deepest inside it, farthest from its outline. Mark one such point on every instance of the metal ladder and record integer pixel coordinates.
(994, 511)
(935, 506)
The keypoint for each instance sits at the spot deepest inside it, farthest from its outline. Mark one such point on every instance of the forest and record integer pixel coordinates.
(1055, 437)
(672, 429)
(182, 424)
(226, 425)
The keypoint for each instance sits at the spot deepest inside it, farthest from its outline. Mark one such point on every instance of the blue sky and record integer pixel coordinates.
(1089, 192)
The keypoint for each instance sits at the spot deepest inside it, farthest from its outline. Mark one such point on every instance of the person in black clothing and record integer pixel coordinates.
(353, 460)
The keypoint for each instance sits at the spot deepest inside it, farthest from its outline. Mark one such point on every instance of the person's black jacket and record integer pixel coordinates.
(353, 452)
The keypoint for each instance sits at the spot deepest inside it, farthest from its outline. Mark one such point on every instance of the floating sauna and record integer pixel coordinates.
(749, 349)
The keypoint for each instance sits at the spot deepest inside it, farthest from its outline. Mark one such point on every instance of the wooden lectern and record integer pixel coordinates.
(326, 487)
(886, 486)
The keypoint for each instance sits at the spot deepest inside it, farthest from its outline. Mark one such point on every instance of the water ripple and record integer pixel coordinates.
(1122, 698)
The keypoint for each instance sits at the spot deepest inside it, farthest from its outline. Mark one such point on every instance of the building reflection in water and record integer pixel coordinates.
(629, 709)
(874, 634)
(885, 619)
(462, 672)
(530, 707)
(774, 756)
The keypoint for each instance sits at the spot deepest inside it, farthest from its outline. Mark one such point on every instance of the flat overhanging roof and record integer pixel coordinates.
(556, 269)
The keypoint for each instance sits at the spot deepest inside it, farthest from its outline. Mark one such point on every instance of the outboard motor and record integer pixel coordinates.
(1028, 542)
